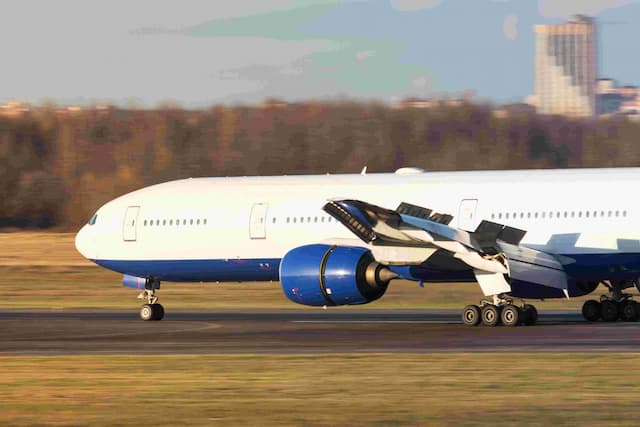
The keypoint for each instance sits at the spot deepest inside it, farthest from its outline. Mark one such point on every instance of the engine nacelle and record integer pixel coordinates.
(319, 275)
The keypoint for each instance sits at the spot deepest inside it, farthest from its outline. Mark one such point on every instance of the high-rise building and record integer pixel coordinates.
(565, 74)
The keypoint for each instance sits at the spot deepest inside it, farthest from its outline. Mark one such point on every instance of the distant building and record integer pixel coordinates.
(614, 99)
(565, 67)
(416, 103)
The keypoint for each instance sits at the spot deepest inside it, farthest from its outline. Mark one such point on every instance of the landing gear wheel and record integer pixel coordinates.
(510, 315)
(609, 311)
(530, 316)
(591, 310)
(147, 312)
(490, 315)
(471, 315)
(629, 311)
(158, 311)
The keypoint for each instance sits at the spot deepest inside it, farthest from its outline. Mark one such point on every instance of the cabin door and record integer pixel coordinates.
(258, 221)
(129, 227)
(467, 214)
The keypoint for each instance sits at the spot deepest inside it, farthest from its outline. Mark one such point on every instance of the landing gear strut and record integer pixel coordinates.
(613, 306)
(152, 310)
(500, 310)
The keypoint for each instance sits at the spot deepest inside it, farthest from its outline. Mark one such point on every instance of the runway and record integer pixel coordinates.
(300, 332)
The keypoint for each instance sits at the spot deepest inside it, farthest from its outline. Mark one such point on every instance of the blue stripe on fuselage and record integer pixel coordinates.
(610, 266)
(206, 270)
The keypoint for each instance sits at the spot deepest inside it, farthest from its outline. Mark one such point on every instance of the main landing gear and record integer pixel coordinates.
(152, 310)
(499, 311)
(616, 305)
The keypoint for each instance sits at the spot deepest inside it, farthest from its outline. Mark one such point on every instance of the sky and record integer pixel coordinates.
(198, 53)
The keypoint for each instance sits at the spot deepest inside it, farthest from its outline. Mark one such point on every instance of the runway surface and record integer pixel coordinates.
(298, 332)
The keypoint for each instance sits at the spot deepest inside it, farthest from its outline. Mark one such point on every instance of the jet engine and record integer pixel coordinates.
(319, 275)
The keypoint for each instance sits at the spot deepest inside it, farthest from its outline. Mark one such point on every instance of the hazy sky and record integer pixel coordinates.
(200, 52)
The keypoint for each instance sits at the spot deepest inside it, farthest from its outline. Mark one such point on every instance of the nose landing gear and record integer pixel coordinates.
(152, 310)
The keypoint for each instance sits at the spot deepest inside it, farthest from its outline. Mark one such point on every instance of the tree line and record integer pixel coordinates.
(58, 167)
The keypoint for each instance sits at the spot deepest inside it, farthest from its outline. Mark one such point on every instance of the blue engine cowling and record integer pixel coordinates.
(319, 275)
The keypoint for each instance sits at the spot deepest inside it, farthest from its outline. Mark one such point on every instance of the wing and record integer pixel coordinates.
(413, 235)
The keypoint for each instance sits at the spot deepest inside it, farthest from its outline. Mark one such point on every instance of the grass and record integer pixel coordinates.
(353, 390)
(43, 270)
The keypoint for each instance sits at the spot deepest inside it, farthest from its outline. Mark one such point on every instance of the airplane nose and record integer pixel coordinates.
(84, 243)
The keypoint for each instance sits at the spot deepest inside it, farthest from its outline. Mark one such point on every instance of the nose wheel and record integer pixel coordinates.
(152, 310)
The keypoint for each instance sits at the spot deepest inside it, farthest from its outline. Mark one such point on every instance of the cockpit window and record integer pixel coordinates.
(93, 219)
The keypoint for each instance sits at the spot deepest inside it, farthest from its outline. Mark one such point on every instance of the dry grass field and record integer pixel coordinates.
(307, 390)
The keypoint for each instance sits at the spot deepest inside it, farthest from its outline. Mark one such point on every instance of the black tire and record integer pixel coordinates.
(591, 310)
(511, 315)
(158, 311)
(530, 316)
(629, 311)
(471, 315)
(609, 311)
(490, 315)
(147, 312)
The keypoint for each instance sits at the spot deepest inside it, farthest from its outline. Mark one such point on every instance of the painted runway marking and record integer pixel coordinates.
(443, 322)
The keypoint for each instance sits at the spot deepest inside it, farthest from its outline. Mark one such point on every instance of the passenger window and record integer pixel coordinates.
(321, 219)
(294, 219)
(157, 222)
(535, 215)
(288, 220)
(624, 213)
(506, 216)
(586, 214)
(204, 221)
(609, 214)
(164, 222)
(170, 222)
(528, 214)
(198, 221)
(191, 222)
(617, 213)
(145, 223)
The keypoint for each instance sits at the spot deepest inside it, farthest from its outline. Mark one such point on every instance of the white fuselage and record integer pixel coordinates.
(582, 211)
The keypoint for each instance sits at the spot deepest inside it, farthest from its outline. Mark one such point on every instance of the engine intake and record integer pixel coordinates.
(319, 275)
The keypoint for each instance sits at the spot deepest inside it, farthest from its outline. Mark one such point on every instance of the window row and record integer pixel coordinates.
(558, 214)
(308, 219)
(170, 222)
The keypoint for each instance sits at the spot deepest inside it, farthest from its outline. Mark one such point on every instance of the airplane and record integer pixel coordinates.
(336, 240)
